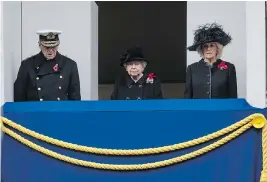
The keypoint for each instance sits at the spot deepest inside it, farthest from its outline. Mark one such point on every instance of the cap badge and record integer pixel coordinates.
(50, 36)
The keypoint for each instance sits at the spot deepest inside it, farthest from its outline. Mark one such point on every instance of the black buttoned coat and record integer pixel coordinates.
(206, 82)
(39, 79)
(126, 89)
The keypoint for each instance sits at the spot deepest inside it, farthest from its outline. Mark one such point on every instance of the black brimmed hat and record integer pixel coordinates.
(132, 54)
(209, 33)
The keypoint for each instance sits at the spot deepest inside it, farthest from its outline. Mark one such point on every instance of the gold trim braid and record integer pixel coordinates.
(148, 151)
(264, 155)
(256, 120)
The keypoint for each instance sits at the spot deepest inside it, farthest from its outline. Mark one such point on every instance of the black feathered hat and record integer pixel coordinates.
(209, 33)
(132, 54)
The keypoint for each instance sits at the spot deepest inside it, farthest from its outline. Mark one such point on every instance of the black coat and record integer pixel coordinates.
(126, 89)
(206, 82)
(37, 80)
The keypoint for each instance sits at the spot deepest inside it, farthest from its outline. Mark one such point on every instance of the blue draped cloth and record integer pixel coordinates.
(132, 125)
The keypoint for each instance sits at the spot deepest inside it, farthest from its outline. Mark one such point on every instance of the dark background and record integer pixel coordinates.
(158, 27)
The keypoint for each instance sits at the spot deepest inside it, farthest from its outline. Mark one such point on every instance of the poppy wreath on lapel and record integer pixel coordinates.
(222, 66)
(150, 78)
(209, 33)
(55, 68)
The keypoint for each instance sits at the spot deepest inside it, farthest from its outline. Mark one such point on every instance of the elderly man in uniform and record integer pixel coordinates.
(48, 75)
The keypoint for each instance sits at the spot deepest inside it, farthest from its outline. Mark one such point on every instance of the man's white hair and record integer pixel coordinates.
(219, 50)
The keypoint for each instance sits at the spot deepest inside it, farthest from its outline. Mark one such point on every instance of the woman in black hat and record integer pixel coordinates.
(135, 84)
(211, 77)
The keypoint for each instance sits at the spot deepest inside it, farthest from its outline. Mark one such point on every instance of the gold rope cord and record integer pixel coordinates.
(119, 152)
(256, 120)
(128, 167)
(264, 155)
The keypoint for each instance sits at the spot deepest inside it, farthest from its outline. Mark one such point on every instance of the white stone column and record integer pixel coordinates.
(1, 58)
(94, 50)
(255, 54)
(11, 32)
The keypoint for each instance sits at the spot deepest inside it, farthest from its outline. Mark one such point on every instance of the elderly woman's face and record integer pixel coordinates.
(49, 52)
(135, 68)
(210, 50)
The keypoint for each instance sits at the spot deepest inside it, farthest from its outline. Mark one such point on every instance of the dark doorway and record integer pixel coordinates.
(159, 27)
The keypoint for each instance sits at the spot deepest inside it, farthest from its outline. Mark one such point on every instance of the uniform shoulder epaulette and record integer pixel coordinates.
(67, 58)
(29, 58)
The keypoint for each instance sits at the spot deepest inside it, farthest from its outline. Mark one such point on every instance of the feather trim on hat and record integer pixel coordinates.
(209, 33)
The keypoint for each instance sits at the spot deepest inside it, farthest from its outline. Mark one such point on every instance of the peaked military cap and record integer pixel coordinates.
(49, 38)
